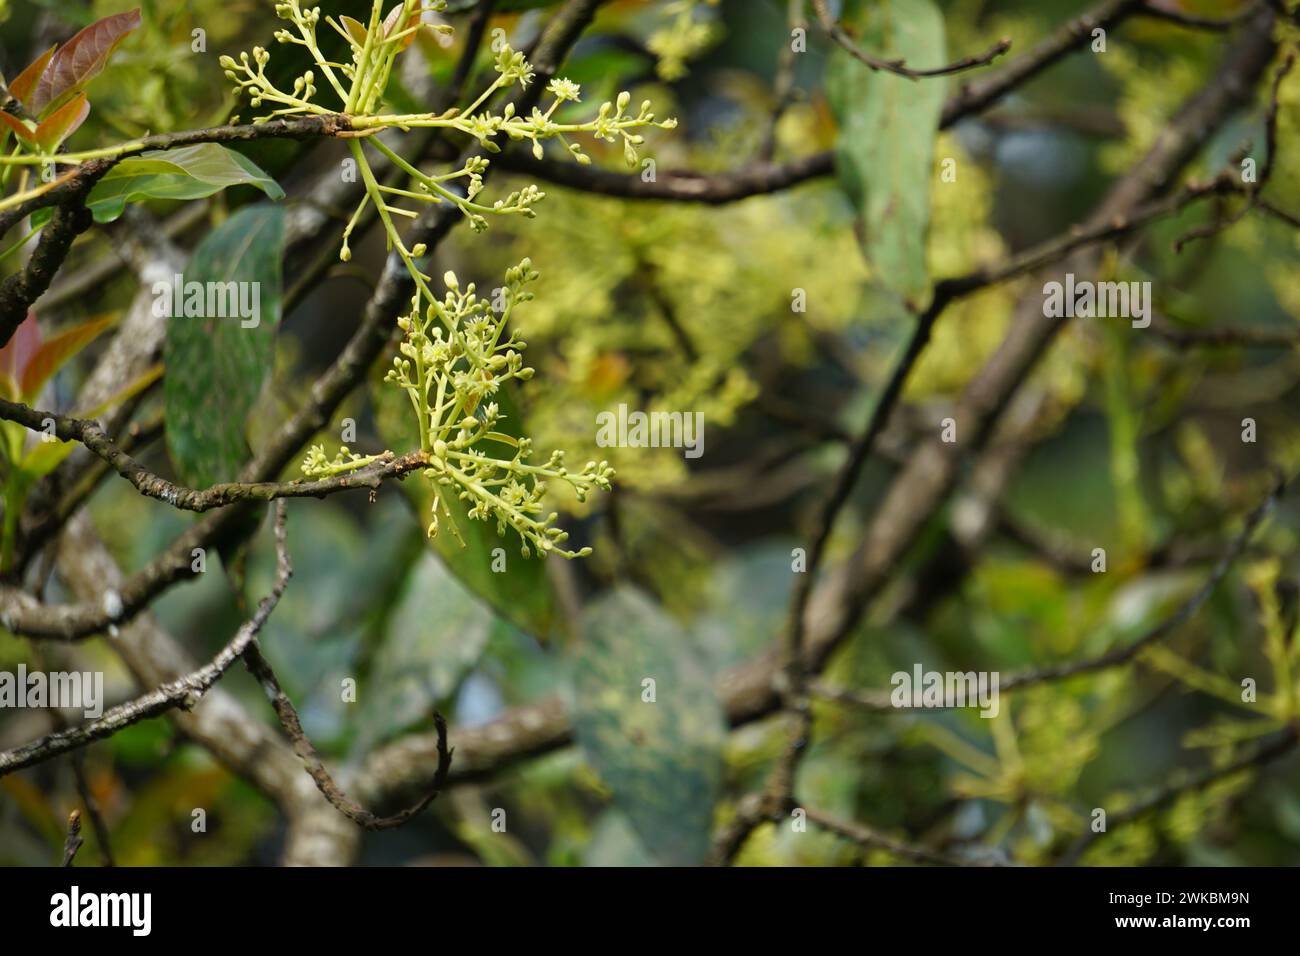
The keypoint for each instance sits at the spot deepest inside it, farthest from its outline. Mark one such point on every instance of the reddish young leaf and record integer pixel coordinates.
(50, 356)
(17, 125)
(17, 353)
(81, 59)
(25, 81)
(62, 123)
(390, 22)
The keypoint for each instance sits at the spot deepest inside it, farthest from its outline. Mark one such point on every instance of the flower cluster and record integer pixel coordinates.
(456, 352)
(317, 465)
(454, 357)
(683, 38)
(360, 87)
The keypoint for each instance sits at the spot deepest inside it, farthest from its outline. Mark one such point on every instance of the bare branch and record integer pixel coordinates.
(183, 692)
(90, 434)
(77, 181)
(1275, 749)
(1194, 22)
(1254, 189)
(97, 823)
(871, 839)
(679, 186)
(260, 668)
(832, 28)
(20, 290)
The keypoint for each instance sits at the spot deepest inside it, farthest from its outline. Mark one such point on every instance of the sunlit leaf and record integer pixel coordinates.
(191, 172)
(355, 29)
(23, 84)
(17, 353)
(45, 456)
(391, 23)
(17, 126)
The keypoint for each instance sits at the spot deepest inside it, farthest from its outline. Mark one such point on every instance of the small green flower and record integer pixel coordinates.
(564, 90)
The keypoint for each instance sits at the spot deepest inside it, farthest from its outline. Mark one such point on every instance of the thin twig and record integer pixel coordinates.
(871, 839)
(97, 822)
(72, 843)
(183, 692)
(260, 668)
(92, 435)
(832, 28)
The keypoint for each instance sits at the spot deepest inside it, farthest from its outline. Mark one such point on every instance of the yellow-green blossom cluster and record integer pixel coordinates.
(457, 350)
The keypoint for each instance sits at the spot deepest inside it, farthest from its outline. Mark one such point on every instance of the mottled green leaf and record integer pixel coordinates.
(745, 605)
(661, 759)
(613, 843)
(522, 593)
(216, 366)
(885, 149)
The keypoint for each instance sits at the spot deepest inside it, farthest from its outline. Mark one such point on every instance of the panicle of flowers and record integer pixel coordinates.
(456, 353)
(317, 465)
(457, 349)
(682, 38)
(360, 86)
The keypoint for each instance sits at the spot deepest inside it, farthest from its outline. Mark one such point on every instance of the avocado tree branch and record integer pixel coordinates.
(840, 36)
(260, 668)
(182, 692)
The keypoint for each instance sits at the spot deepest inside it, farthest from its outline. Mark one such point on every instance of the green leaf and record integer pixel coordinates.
(662, 760)
(885, 149)
(80, 60)
(215, 366)
(435, 636)
(613, 843)
(522, 593)
(190, 172)
(44, 457)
